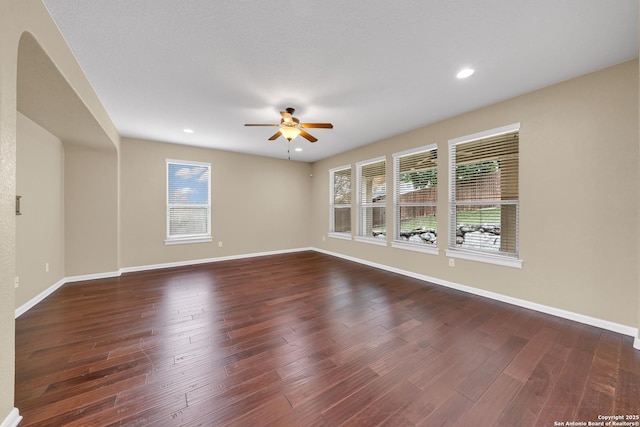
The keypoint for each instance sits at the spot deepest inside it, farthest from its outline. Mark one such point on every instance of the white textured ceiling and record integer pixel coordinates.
(373, 68)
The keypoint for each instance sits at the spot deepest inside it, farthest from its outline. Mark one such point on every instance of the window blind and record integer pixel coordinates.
(372, 193)
(416, 196)
(484, 194)
(188, 200)
(340, 200)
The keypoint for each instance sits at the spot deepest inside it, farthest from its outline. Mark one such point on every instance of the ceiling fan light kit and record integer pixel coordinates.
(290, 127)
(289, 132)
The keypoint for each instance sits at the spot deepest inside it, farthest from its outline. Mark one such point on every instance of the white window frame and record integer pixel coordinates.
(468, 254)
(363, 205)
(402, 244)
(188, 238)
(333, 205)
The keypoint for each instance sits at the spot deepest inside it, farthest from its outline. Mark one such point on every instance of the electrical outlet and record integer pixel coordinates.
(17, 282)
(46, 267)
(220, 244)
(324, 238)
(452, 262)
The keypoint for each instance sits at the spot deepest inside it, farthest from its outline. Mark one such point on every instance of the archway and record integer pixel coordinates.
(67, 175)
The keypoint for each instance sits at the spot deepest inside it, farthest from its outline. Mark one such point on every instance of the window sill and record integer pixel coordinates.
(427, 249)
(187, 240)
(486, 258)
(372, 240)
(343, 236)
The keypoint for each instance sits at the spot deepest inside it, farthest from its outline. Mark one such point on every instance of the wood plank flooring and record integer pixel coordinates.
(306, 339)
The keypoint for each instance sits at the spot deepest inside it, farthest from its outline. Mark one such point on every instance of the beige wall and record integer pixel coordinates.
(69, 210)
(91, 210)
(45, 95)
(578, 197)
(40, 228)
(8, 54)
(258, 204)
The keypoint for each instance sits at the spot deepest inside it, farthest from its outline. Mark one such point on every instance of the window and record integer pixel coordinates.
(415, 199)
(188, 202)
(340, 202)
(372, 200)
(483, 196)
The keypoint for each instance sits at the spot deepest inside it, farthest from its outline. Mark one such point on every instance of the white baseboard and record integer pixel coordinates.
(42, 295)
(12, 420)
(95, 276)
(51, 289)
(35, 300)
(209, 260)
(577, 317)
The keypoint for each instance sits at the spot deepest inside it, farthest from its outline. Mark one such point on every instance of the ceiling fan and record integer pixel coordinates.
(290, 127)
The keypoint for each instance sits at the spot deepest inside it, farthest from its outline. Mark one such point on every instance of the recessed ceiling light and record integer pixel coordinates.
(463, 74)
(298, 149)
(187, 130)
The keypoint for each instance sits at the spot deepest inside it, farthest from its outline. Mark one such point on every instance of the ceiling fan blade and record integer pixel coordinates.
(317, 125)
(275, 136)
(307, 136)
(255, 124)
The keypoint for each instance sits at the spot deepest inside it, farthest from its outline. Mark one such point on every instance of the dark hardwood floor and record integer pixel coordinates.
(306, 339)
